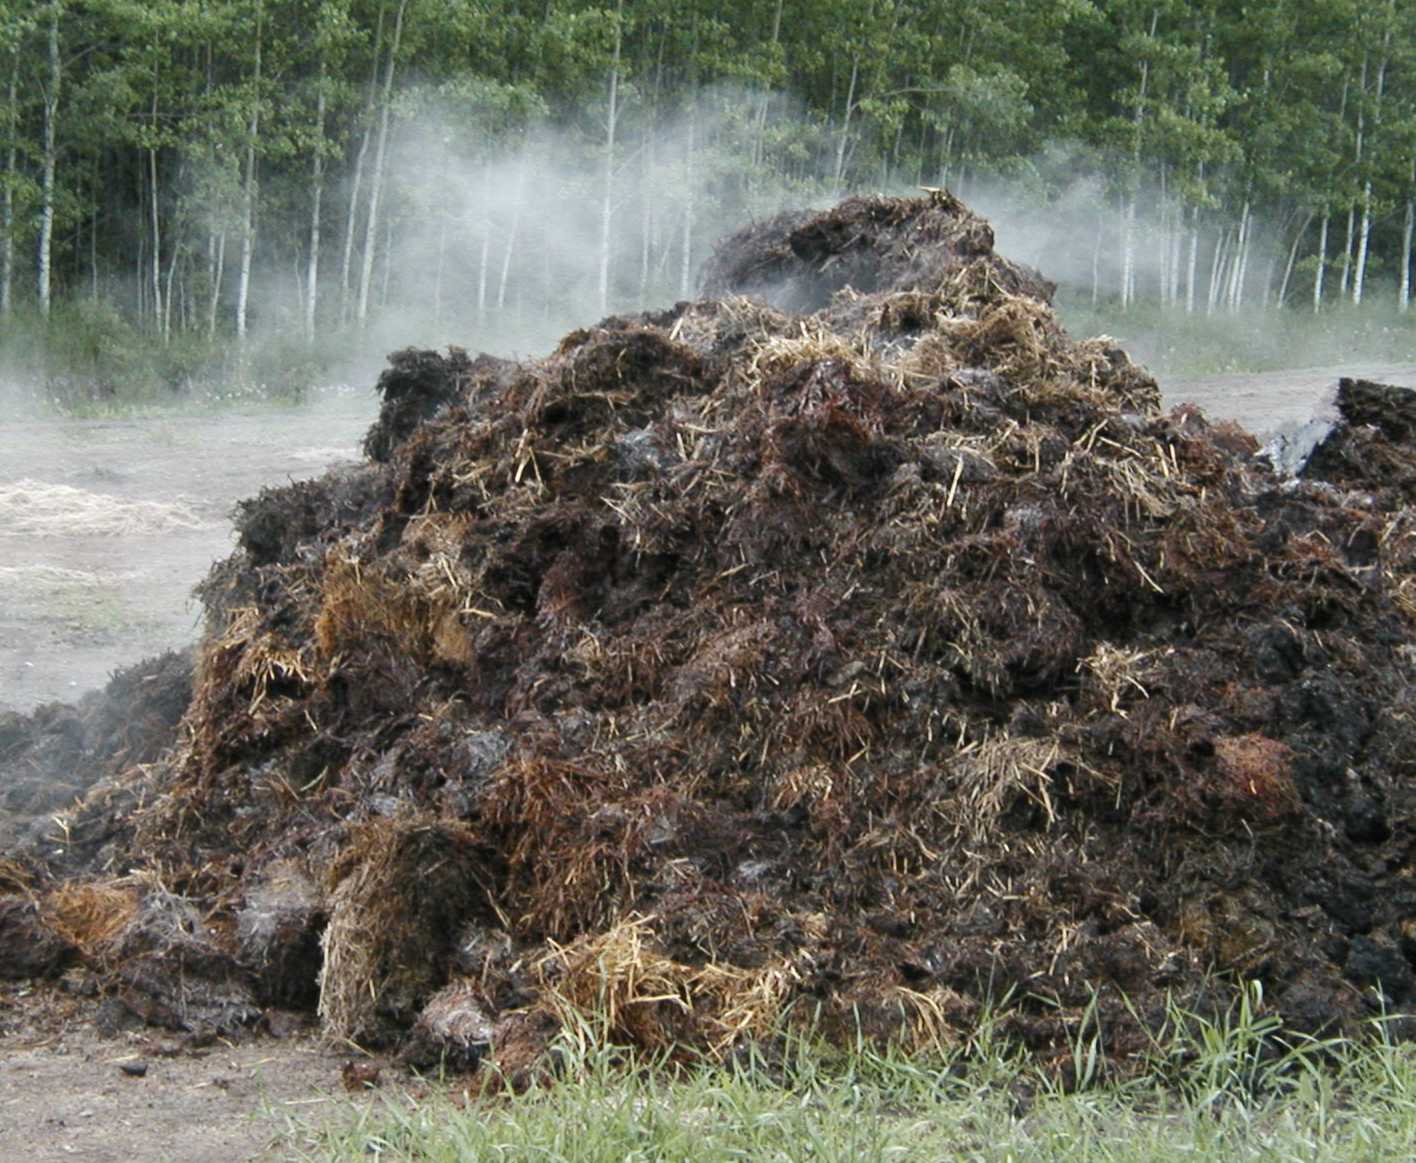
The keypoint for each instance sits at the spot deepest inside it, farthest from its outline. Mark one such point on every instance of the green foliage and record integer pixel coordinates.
(1230, 130)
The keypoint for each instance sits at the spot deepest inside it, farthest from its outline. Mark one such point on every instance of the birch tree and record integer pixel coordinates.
(371, 220)
(47, 189)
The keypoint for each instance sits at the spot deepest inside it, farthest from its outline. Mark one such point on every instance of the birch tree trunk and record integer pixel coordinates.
(438, 271)
(765, 97)
(607, 207)
(1216, 271)
(156, 255)
(356, 182)
(7, 198)
(1345, 282)
(1365, 232)
(1357, 166)
(387, 265)
(1319, 274)
(1128, 226)
(690, 177)
(217, 266)
(248, 194)
(845, 138)
(1096, 256)
(1192, 261)
(646, 214)
(312, 269)
(1292, 258)
(1128, 250)
(1239, 267)
(366, 272)
(46, 193)
(485, 256)
(167, 294)
(505, 277)
(1408, 228)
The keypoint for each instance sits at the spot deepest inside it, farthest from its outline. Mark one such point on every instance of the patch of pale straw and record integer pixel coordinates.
(37, 509)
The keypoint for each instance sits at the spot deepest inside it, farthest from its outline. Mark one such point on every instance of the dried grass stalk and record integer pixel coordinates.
(91, 914)
(648, 1000)
(989, 776)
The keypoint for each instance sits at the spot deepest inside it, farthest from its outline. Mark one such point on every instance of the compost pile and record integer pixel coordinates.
(57, 751)
(875, 660)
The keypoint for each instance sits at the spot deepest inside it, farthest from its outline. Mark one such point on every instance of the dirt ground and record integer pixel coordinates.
(68, 1098)
(1268, 400)
(63, 1092)
(105, 526)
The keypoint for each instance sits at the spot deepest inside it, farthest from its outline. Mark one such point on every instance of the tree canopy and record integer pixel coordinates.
(209, 166)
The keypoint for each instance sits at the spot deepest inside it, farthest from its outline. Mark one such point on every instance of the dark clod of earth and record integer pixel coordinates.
(865, 653)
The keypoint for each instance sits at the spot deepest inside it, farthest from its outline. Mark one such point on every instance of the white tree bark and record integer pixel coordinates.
(1128, 250)
(1096, 256)
(216, 266)
(1408, 229)
(1192, 261)
(690, 177)
(1217, 269)
(46, 193)
(1321, 271)
(248, 192)
(1239, 267)
(505, 277)
(312, 268)
(167, 293)
(845, 137)
(1346, 282)
(485, 255)
(607, 205)
(765, 96)
(366, 272)
(156, 255)
(7, 198)
(1364, 234)
(1292, 258)
(356, 182)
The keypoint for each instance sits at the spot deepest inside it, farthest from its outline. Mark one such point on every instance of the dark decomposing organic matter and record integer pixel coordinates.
(868, 665)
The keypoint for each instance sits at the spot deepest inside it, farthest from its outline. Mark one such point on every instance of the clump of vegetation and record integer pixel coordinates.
(89, 359)
(1226, 1087)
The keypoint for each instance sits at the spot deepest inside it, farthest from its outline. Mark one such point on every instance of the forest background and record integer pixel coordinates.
(196, 194)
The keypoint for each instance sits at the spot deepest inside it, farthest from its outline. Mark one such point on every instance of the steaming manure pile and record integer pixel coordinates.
(868, 660)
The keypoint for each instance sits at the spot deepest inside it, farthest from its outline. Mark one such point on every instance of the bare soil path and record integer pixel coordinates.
(69, 1098)
(106, 525)
(1265, 401)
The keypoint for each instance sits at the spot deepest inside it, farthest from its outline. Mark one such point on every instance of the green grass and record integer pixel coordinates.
(1218, 1089)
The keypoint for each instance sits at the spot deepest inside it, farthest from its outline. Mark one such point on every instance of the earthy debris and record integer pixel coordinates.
(54, 754)
(360, 1075)
(29, 947)
(876, 667)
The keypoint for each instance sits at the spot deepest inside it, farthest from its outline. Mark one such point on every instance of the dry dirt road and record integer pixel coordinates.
(67, 1097)
(106, 525)
(104, 528)
(1268, 400)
